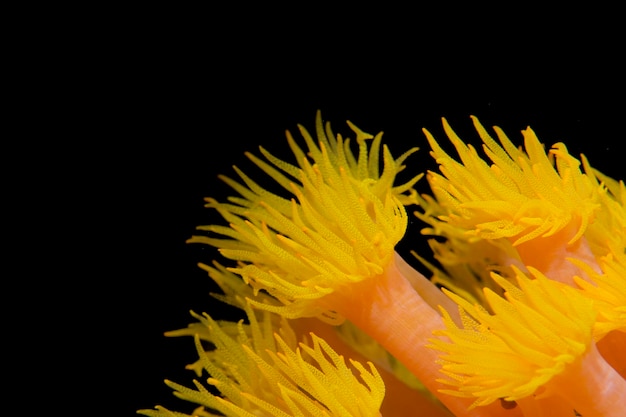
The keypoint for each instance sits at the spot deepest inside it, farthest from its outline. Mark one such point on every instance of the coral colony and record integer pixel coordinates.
(523, 314)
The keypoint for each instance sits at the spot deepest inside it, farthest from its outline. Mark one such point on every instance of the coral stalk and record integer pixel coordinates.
(389, 310)
(592, 386)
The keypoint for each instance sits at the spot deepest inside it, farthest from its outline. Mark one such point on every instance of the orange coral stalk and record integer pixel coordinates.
(551, 255)
(590, 383)
(389, 310)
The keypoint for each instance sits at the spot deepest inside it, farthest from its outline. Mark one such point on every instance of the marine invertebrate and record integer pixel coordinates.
(259, 369)
(542, 299)
(537, 343)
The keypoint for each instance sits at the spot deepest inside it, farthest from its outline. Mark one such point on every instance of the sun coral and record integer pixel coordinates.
(339, 227)
(541, 202)
(524, 314)
(542, 330)
(260, 370)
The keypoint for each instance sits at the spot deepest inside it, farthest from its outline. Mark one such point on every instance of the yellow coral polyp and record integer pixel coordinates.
(261, 371)
(520, 196)
(339, 227)
(537, 342)
(531, 336)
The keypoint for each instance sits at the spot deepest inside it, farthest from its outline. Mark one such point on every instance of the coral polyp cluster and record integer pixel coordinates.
(523, 314)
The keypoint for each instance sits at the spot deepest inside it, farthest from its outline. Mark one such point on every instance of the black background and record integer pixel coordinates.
(179, 98)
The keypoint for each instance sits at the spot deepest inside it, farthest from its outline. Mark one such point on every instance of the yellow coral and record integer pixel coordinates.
(340, 226)
(520, 196)
(262, 372)
(538, 342)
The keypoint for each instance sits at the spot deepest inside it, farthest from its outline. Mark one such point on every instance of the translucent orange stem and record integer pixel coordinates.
(591, 387)
(549, 255)
(392, 312)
